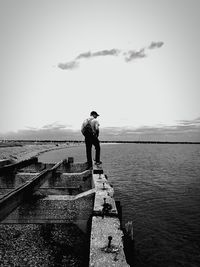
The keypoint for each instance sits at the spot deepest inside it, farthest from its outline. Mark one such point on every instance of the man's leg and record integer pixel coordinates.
(97, 149)
(88, 143)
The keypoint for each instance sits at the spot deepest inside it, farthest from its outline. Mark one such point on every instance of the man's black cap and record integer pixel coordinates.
(94, 113)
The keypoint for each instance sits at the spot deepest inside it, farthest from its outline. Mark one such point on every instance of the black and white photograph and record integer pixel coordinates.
(99, 133)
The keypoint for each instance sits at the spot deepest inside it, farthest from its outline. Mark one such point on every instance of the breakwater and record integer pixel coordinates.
(50, 201)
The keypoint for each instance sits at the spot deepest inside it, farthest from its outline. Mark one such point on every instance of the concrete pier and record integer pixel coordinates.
(106, 244)
(64, 195)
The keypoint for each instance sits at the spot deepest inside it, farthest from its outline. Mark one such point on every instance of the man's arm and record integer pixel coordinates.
(97, 133)
(97, 128)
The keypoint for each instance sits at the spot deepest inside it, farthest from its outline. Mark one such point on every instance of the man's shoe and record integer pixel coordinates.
(89, 166)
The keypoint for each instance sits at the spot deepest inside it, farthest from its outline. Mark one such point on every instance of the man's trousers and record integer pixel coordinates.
(89, 141)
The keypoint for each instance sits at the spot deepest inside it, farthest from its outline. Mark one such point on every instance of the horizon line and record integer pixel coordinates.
(102, 141)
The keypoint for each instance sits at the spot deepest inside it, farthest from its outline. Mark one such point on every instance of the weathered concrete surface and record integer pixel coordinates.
(52, 207)
(32, 168)
(17, 176)
(11, 181)
(69, 180)
(105, 225)
(21, 177)
(17, 196)
(55, 209)
(101, 229)
(104, 194)
(4, 162)
(72, 182)
(82, 179)
(18, 165)
(48, 228)
(71, 167)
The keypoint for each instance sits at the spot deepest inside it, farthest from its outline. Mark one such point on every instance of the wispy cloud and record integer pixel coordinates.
(189, 125)
(154, 45)
(184, 130)
(52, 131)
(131, 55)
(84, 55)
(111, 52)
(56, 125)
(68, 65)
(190, 122)
(128, 55)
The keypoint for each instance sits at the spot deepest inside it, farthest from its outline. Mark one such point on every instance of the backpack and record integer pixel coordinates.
(87, 128)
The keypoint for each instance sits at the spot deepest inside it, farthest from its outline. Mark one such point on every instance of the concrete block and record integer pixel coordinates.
(71, 167)
(55, 209)
(70, 160)
(102, 228)
(103, 253)
(4, 162)
(73, 182)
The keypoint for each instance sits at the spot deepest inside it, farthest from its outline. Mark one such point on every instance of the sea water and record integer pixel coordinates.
(159, 189)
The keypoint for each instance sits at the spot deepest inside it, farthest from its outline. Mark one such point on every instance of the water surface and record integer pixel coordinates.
(159, 189)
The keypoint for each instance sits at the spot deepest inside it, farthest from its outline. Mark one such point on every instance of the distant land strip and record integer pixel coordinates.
(19, 142)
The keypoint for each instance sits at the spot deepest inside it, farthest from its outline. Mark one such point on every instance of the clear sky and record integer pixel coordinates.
(136, 62)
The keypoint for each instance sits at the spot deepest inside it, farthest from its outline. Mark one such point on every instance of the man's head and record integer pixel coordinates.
(94, 114)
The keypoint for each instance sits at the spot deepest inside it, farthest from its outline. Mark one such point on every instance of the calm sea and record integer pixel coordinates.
(159, 189)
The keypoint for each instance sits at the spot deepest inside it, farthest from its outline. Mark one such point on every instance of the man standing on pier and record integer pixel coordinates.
(90, 129)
